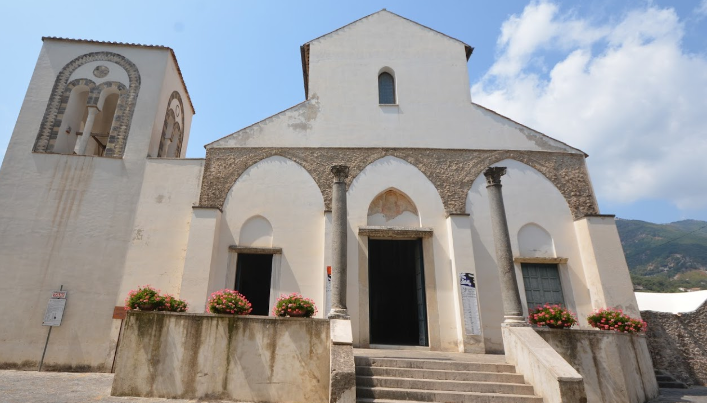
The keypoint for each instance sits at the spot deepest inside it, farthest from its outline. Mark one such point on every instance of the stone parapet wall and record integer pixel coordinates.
(678, 343)
(201, 356)
(616, 367)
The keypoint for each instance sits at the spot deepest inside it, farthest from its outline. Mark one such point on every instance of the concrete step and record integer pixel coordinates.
(407, 395)
(447, 386)
(444, 365)
(473, 376)
(672, 385)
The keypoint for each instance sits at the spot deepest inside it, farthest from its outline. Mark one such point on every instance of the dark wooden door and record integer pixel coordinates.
(253, 275)
(396, 287)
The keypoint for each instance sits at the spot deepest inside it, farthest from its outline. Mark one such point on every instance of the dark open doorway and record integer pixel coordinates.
(396, 292)
(253, 274)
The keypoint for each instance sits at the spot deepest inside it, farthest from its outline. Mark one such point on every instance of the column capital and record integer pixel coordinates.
(493, 175)
(341, 172)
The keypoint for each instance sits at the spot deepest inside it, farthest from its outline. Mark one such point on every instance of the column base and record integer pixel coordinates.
(338, 313)
(515, 321)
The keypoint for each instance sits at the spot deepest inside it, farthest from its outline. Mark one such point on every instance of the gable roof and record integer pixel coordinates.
(304, 49)
(135, 45)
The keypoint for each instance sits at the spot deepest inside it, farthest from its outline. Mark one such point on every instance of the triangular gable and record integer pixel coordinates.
(304, 49)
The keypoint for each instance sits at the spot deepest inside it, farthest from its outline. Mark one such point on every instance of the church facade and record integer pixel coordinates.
(97, 197)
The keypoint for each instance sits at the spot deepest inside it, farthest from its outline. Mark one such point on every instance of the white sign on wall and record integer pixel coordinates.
(472, 322)
(55, 309)
(327, 306)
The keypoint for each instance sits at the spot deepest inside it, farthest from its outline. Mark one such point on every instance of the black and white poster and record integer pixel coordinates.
(472, 322)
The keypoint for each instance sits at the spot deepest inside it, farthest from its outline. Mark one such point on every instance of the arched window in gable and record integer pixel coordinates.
(386, 89)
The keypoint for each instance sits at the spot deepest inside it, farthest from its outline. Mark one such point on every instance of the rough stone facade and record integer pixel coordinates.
(58, 99)
(451, 171)
(678, 343)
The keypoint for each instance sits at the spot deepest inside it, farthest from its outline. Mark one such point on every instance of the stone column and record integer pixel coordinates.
(80, 147)
(512, 307)
(338, 243)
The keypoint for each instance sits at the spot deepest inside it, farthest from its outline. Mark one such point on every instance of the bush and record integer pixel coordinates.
(294, 305)
(171, 304)
(553, 316)
(616, 320)
(228, 302)
(145, 298)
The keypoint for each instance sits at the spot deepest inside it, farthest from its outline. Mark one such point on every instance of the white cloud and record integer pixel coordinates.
(701, 9)
(638, 107)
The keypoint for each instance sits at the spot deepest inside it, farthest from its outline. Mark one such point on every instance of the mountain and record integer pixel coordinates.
(665, 257)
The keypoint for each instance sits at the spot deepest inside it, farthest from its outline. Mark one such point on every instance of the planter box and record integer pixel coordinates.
(616, 367)
(238, 358)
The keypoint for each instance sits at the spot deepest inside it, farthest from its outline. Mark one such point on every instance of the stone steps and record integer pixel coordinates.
(667, 381)
(444, 377)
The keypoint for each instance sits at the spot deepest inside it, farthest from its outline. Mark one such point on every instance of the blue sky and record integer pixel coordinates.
(624, 81)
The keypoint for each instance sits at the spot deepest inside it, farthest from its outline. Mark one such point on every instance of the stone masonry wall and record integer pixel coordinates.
(678, 343)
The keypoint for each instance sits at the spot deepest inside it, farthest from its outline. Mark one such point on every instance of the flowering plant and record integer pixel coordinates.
(294, 305)
(171, 304)
(145, 298)
(616, 320)
(228, 302)
(554, 316)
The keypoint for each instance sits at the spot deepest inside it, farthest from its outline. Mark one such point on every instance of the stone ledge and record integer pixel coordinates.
(254, 250)
(395, 232)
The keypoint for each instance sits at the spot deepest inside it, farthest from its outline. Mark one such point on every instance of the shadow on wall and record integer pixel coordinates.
(678, 343)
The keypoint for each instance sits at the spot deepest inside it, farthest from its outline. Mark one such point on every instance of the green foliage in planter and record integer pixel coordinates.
(294, 305)
(228, 302)
(554, 316)
(616, 320)
(147, 298)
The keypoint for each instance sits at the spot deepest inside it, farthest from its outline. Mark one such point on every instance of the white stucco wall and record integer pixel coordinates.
(67, 220)
(283, 193)
(529, 197)
(159, 238)
(440, 293)
(434, 107)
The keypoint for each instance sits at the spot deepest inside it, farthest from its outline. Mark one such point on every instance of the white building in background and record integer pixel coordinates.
(96, 196)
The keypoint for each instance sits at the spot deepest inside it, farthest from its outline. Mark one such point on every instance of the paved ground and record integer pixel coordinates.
(65, 387)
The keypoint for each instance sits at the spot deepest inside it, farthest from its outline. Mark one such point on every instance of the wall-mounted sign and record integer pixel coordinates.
(327, 304)
(472, 321)
(55, 309)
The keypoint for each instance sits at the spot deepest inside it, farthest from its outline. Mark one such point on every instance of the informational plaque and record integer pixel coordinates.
(470, 304)
(55, 309)
(328, 291)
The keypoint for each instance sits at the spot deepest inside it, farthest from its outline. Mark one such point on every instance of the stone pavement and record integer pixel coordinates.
(68, 387)
(65, 387)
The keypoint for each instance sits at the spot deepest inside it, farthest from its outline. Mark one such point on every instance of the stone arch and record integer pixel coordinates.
(393, 207)
(452, 171)
(567, 174)
(49, 128)
(165, 127)
(535, 241)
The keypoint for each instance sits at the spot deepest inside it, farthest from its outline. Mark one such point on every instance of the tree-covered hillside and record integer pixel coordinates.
(665, 257)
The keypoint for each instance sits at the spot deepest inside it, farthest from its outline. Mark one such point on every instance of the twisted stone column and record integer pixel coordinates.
(338, 243)
(512, 307)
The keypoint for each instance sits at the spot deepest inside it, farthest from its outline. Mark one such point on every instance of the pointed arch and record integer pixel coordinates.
(393, 207)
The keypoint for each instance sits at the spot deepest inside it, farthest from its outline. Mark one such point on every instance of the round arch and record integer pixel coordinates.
(49, 128)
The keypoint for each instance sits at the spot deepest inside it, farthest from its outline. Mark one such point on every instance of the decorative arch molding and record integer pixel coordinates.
(49, 128)
(165, 126)
(451, 171)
